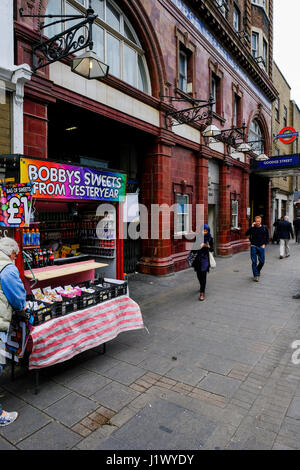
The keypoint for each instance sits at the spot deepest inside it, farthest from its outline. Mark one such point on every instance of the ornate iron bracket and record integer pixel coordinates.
(65, 43)
(233, 136)
(253, 144)
(193, 114)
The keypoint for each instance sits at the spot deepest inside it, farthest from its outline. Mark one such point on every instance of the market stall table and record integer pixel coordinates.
(51, 272)
(62, 338)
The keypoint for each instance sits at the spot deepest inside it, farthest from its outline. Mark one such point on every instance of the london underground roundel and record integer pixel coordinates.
(288, 131)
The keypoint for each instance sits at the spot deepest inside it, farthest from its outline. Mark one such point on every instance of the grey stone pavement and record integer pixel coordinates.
(216, 374)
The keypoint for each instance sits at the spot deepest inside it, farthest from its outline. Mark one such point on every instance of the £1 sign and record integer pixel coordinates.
(16, 201)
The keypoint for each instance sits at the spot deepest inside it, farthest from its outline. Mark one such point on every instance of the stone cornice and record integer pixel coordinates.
(223, 31)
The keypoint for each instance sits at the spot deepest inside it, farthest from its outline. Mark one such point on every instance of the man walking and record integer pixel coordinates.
(285, 232)
(297, 229)
(259, 238)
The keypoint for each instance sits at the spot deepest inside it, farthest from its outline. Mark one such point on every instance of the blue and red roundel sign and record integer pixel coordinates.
(288, 133)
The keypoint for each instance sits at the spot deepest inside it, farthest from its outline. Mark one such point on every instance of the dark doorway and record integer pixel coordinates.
(82, 137)
(259, 198)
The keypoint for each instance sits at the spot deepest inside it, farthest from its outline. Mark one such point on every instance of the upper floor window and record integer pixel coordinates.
(115, 40)
(216, 87)
(183, 61)
(185, 64)
(256, 136)
(284, 116)
(262, 3)
(265, 52)
(214, 91)
(236, 19)
(276, 106)
(236, 110)
(254, 47)
(223, 6)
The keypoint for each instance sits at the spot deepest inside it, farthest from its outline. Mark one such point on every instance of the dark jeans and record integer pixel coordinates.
(202, 279)
(257, 252)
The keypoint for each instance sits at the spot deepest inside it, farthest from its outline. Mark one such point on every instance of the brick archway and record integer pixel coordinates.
(264, 128)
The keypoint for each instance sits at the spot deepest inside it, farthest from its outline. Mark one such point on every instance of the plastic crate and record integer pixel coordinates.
(87, 299)
(56, 310)
(119, 288)
(70, 304)
(102, 293)
(44, 313)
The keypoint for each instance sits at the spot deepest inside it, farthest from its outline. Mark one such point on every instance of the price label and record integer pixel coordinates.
(16, 202)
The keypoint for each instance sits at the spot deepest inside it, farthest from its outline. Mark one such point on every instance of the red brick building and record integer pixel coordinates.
(157, 49)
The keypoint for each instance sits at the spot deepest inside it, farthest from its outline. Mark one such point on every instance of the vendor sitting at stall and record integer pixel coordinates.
(12, 297)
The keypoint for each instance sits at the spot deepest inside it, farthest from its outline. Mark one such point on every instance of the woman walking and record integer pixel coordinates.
(201, 263)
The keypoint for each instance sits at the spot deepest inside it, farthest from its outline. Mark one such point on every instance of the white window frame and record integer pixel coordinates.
(234, 213)
(285, 116)
(236, 102)
(183, 77)
(222, 8)
(276, 107)
(261, 3)
(265, 51)
(214, 85)
(255, 133)
(120, 35)
(255, 35)
(236, 19)
(186, 214)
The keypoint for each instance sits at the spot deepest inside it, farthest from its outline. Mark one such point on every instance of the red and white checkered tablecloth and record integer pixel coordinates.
(61, 338)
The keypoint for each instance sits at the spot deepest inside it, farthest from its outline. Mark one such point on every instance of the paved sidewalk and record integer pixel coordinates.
(216, 374)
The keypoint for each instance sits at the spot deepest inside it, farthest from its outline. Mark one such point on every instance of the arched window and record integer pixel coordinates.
(115, 41)
(256, 135)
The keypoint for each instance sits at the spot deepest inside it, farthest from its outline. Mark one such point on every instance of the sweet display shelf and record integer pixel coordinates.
(100, 247)
(70, 259)
(96, 238)
(58, 229)
(32, 247)
(50, 272)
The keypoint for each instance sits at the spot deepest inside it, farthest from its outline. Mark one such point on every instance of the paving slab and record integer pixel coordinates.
(221, 385)
(124, 373)
(53, 436)
(163, 425)
(87, 383)
(115, 396)
(29, 421)
(294, 408)
(71, 409)
(187, 375)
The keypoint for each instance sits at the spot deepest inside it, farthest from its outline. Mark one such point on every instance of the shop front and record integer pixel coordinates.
(67, 220)
(75, 218)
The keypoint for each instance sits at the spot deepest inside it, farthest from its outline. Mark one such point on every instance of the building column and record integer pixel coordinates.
(224, 247)
(245, 202)
(20, 76)
(202, 182)
(157, 190)
(269, 205)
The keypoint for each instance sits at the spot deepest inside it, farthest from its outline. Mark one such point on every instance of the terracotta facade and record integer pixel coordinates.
(176, 161)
